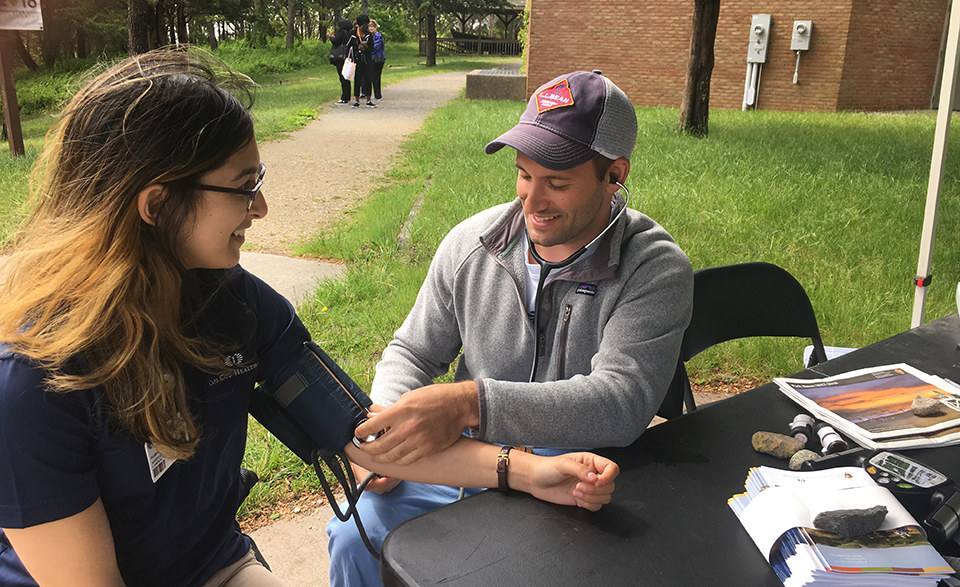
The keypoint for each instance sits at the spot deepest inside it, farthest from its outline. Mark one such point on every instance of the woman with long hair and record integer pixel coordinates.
(131, 343)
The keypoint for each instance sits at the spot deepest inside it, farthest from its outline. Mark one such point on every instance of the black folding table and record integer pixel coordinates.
(669, 523)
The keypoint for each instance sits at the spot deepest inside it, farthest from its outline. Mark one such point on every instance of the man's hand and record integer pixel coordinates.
(378, 485)
(422, 422)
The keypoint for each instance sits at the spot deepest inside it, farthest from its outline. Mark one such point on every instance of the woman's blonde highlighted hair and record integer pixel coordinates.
(91, 292)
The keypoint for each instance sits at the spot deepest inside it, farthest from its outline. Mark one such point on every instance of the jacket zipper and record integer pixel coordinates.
(562, 341)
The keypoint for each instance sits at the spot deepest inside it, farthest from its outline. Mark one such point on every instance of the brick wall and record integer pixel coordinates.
(899, 41)
(864, 54)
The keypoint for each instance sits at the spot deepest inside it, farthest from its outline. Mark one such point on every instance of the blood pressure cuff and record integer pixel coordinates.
(310, 403)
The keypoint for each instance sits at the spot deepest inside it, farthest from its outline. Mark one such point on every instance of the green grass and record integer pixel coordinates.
(836, 199)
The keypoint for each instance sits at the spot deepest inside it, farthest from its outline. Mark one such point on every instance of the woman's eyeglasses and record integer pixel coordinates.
(250, 193)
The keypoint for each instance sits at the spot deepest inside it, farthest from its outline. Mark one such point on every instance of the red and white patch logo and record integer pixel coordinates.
(556, 96)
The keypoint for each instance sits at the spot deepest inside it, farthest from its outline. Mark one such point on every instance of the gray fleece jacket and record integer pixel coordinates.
(612, 325)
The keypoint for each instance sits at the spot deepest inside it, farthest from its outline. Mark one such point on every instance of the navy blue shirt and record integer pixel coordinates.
(60, 452)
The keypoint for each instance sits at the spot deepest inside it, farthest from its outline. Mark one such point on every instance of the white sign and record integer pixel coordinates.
(20, 15)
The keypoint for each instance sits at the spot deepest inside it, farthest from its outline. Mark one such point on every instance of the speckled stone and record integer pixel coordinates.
(778, 445)
(801, 457)
(849, 523)
(925, 406)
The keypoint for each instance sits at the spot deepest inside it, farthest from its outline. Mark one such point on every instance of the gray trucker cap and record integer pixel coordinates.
(570, 120)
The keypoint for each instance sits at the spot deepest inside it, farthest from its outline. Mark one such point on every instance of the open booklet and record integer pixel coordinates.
(778, 510)
(873, 405)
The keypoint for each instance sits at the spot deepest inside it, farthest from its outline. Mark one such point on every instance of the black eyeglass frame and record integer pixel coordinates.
(250, 193)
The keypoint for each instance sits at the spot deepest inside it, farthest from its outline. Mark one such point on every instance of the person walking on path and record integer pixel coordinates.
(338, 54)
(379, 57)
(361, 42)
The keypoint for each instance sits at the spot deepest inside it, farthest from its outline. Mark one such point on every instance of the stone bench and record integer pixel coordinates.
(496, 84)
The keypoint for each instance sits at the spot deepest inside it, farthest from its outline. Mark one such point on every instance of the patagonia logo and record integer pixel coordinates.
(587, 289)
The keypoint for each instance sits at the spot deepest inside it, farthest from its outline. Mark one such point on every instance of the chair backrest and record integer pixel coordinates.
(672, 404)
(740, 301)
(745, 300)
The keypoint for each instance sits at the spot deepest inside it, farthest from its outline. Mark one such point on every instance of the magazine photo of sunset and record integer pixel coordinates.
(881, 405)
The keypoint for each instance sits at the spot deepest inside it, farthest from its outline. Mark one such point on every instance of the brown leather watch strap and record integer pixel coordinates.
(503, 461)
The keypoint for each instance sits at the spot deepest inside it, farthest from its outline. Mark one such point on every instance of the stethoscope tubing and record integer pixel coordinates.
(546, 267)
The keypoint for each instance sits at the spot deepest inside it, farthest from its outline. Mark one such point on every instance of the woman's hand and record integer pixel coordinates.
(582, 479)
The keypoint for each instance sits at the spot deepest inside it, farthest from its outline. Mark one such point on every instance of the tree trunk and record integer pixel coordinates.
(182, 25)
(52, 33)
(695, 107)
(291, 20)
(212, 36)
(159, 23)
(81, 42)
(22, 52)
(431, 38)
(138, 25)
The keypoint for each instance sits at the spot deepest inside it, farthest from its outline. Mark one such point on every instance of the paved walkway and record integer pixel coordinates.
(297, 549)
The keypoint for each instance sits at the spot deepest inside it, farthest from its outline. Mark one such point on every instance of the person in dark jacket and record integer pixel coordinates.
(362, 43)
(338, 53)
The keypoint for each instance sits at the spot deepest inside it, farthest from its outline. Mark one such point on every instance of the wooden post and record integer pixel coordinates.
(11, 111)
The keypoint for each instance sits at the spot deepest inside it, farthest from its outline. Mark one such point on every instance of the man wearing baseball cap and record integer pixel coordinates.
(565, 307)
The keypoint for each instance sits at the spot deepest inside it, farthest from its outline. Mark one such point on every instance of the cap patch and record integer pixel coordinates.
(556, 96)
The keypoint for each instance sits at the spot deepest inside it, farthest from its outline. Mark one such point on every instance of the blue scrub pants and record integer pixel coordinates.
(351, 564)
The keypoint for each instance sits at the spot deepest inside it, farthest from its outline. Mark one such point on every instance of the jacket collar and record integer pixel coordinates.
(502, 241)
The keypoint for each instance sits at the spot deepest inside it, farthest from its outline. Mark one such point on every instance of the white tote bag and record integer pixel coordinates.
(349, 66)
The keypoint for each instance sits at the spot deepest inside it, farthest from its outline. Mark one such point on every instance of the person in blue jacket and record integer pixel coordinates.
(379, 57)
(132, 344)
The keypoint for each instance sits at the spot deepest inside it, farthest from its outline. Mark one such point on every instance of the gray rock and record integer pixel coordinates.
(778, 445)
(801, 457)
(849, 523)
(925, 406)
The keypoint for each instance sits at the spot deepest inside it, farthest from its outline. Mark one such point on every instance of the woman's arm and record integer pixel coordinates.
(73, 552)
(581, 479)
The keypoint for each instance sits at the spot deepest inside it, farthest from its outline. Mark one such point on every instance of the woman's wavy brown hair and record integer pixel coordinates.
(88, 279)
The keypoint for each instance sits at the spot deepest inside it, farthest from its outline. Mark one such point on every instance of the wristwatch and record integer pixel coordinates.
(503, 461)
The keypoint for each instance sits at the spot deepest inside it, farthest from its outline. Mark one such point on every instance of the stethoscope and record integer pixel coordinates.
(547, 266)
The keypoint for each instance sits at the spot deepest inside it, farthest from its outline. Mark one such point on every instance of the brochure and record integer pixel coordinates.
(873, 405)
(778, 511)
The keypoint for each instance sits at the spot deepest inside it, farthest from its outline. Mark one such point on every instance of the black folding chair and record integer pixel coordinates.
(740, 301)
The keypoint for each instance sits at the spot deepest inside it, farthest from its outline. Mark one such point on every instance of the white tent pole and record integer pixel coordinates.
(942, 136)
